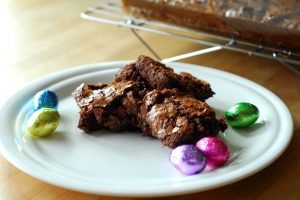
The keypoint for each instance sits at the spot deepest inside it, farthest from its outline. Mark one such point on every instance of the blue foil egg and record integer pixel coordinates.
(45, 99)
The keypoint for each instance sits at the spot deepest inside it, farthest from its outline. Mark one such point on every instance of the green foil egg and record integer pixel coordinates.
(242, 115)
(43, 122)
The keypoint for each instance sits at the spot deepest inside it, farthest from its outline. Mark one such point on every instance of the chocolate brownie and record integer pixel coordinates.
(148, 72)
(274, 23)
(114, 106)
(129, 73)
(149, 96)
(152, 74)
(157, 75)
(177, 119)
(189, 84)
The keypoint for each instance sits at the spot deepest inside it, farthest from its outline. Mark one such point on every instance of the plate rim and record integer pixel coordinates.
(155, 191)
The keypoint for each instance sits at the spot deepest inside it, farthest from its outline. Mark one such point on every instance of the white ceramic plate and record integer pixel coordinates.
(127, 164)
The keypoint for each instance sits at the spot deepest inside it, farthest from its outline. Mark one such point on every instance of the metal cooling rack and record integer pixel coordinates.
(111, 12)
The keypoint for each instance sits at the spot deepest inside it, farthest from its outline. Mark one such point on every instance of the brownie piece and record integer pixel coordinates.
(189, 84)
(175, 119)
(114, 106)
(148, 72)
(129, 73)
(157, 75)
(152, 74)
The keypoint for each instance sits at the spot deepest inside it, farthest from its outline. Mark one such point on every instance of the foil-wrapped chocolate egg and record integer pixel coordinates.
(188, 159)
(43, 122)
(242, 115)
(45, 99)
(215, 150)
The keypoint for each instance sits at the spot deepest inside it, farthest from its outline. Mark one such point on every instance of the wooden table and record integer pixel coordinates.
(40, 37)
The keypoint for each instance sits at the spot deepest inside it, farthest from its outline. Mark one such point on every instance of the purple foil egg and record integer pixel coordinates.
(215, 150)
(188, 159)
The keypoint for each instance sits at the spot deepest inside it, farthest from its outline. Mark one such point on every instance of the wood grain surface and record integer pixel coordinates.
(43, 36)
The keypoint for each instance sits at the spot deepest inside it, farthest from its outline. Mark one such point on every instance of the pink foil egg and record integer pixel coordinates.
(188, 159)
(215, 150)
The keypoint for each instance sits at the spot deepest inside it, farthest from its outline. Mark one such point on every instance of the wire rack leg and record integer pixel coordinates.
(175, 58)
(135, 33)
(294, 68)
